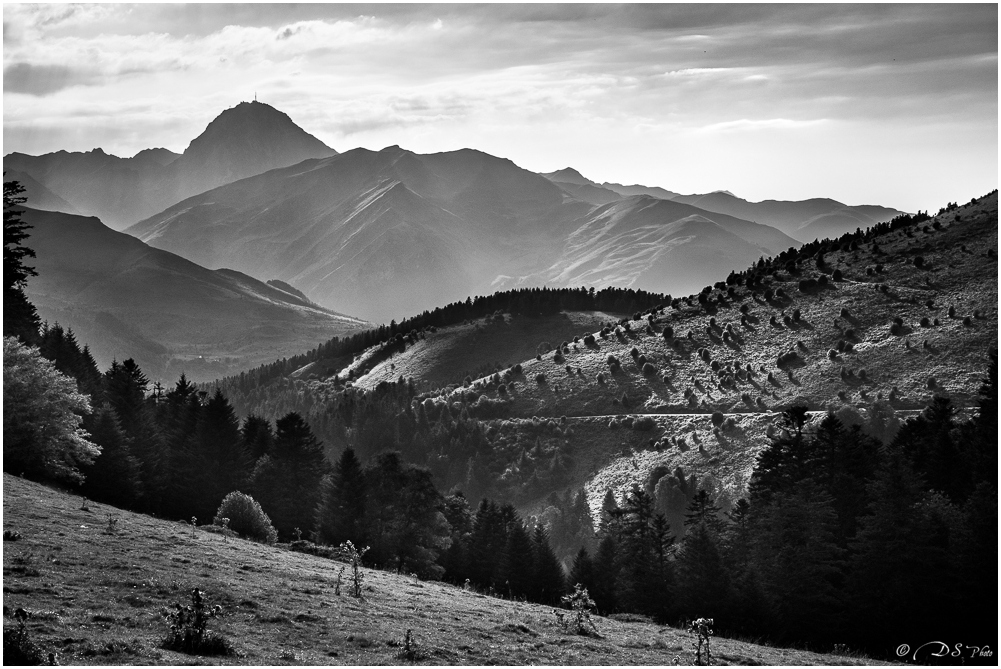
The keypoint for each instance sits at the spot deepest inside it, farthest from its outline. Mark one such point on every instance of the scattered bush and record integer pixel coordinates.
(788, 357)
(952, 312)
(925, 322)
(246, 517)
(837, 275)
(600, 379)
(967, 321)
(540, 378)
(649, 369)
(919, 261)
(718, 418)
(589, 340)
(644, 424)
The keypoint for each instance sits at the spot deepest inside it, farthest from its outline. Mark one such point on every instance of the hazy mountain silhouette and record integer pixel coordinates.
(38, 195)
(390, 233)
(573, 181)
(245, 140)
(804, 220)
(652, 244)
(126, 299)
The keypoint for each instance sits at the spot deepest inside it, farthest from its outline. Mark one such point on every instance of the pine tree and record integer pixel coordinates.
(113, 478)
(548, 581)
(19, 316)
(257, 436)
(340, 515)
(286, 482)
(800, 564)
(125, 389)
(517, 573)
(606, 576)
(222, 461)
(582, 571)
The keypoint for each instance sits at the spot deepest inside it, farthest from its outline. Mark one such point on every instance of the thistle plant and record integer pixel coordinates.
(354, 556)
(189, 628)
(702, 630)
(578, 620)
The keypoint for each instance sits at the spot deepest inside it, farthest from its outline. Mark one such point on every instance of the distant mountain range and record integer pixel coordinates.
(391, 233)
(387, 234)
(248, 139)
(128, 300)
(804, 220)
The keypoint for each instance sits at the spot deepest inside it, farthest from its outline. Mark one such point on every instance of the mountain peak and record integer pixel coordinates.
(243, 141)
(569, 175)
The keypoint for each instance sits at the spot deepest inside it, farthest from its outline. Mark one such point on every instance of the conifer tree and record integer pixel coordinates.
(606, 576)
(257, 436)
(548, 581)
(286, 482)
(340, 515)
(113, 478)
(517, 573)
(582, 571)
(19, 316)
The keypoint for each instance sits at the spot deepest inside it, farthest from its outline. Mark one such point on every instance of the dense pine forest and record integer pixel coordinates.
(850, 533)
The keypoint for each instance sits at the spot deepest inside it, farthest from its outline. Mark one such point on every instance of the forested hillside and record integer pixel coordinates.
(840, 515)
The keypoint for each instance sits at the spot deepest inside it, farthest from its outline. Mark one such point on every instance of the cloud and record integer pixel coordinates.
(42, 80)
(744, 125)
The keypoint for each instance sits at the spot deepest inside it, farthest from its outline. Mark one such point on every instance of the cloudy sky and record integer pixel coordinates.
(888, 104)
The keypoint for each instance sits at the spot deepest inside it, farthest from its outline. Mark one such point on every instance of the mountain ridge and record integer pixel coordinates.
(181, 316)
(248, 139)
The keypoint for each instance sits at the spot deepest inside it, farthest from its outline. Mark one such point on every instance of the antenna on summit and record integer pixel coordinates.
(255, 96)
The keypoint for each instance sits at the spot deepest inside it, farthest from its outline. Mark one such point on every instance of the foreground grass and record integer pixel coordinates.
(98, 596)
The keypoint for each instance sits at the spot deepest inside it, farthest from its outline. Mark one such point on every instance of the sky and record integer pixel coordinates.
(868, 104)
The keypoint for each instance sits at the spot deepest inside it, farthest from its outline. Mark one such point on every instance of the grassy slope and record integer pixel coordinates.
(446, 356)
(98, 597)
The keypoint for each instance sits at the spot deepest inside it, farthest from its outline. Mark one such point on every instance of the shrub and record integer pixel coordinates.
(822, 280)
(788, 357)
(668, 333)
(246, 517)
(967, 321)
(540, 378)
(718, 418)
(600, 379)
(644, 423)
(649, 369)
(18, 648)
(189, 629)
(919, 261)
(634, 352)
(952, 312)
(925, 322)
(517, 368)
(589, 340)
(837, 275)
(806, 285)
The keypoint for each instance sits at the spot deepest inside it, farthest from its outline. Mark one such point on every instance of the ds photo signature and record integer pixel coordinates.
(941, 649)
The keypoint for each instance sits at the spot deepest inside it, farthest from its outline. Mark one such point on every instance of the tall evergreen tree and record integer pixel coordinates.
(548, 581)
(19, 316)
(340, 515)
(113, 478)
(286, 482)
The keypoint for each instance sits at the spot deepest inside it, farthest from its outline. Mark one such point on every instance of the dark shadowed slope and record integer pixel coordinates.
(245, 140)
(126, 299)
